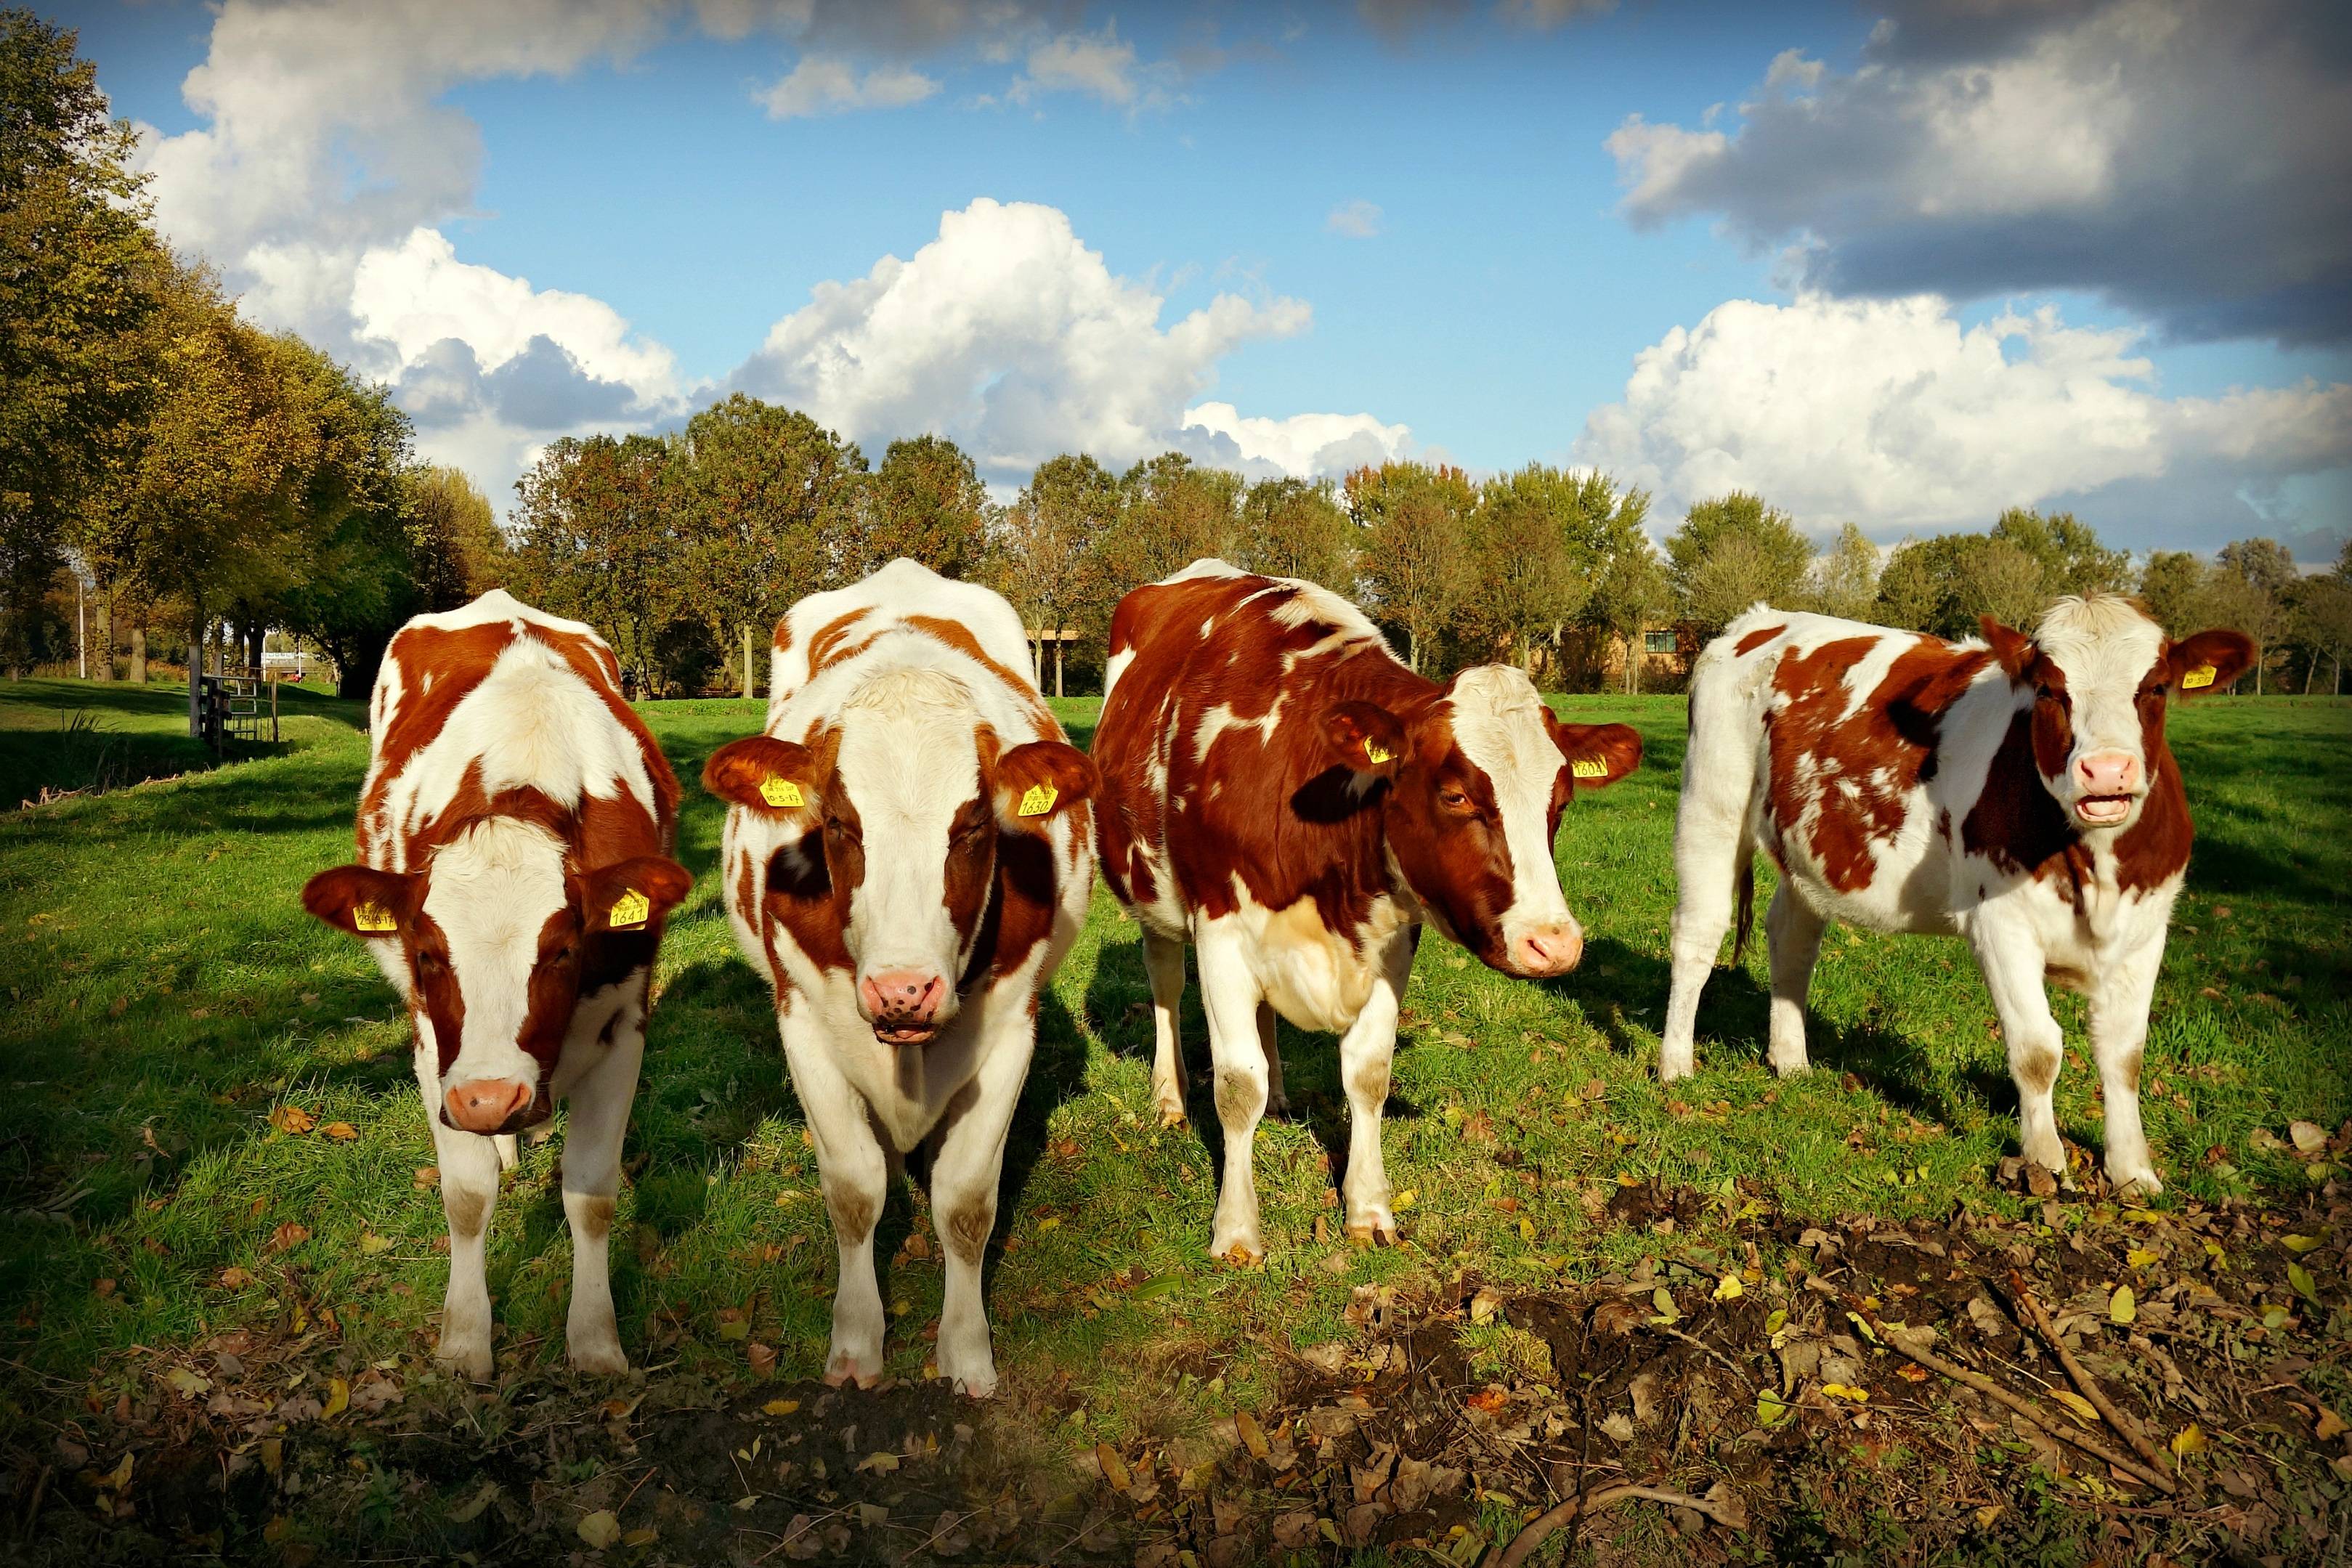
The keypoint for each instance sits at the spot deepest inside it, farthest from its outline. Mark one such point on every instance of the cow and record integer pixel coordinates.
(515, 832)
(2016, 791)
(1284, 794)
(907, 856)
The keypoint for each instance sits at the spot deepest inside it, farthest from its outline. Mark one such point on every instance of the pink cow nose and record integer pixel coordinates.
(903, 999)
(1548, 950)
(2107, 773)
(486, 1104)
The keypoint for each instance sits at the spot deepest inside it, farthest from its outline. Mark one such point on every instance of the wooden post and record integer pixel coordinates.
(751, 681)
(196, 623)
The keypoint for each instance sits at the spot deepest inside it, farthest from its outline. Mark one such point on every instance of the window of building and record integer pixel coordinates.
(1657, 641)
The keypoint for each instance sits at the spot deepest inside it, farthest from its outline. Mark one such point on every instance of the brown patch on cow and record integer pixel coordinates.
(2128, 1069)
(2018, 825)
(853, 1214)
(2062, 975)
(2035, 1070)
(1238, 1095)
(595, 1222)
(2155, 849)
(468, 1210)
(1855, 774)
(968, 1228)
(1370, 1082)
(1754, 640)
(957, 635)
(825, 644)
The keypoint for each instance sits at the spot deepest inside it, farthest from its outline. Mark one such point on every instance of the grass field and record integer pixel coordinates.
(169, 1003)
(69, 735)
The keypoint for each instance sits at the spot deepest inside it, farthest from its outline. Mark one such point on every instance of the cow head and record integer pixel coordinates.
(2100, 670)
(492, 942)
(904, 803)
(1477, 780)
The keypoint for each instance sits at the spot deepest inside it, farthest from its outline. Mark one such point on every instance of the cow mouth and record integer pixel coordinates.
(2103, 810)
(906, 1033)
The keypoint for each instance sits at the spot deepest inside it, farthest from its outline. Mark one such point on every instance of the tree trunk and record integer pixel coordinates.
(102, 615)
(198, 624)
(2260, 654)
(751, 678)
(1057, 667)
(1412, 650)
(139, 650)
(1037, 655)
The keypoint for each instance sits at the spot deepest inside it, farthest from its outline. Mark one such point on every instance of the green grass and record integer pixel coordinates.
(165, 993)
(71, 735)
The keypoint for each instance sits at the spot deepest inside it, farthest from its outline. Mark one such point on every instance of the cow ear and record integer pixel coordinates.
(1368, 738)
(2208, 661)
(1597, 754)
(772, 778)
(632, 894)
(1035, 782)
(2013, 649)
(362, 899)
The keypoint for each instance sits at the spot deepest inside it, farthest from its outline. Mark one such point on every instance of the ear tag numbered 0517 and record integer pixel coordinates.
(781, 792)
(1375, 752)
(2203, 675)
(1039, 799)
(629, 911)
(1588, 768)
(372, 917)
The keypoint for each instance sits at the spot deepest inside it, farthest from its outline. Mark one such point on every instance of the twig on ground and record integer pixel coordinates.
(2049, 1426)
(1698, 1343)
(635, 1490)
(2086, 1382)
(1723, 1509)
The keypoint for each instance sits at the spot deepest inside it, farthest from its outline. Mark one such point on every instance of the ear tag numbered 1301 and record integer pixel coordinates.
(1039, 799)
(2203, 675)
(629, 911)
(781, 792)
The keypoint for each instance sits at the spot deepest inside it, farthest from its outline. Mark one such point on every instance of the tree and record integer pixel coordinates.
(1634, 592)
(926, 502)
(2067, 552)
(1844, 579)
(1297, 527)
(1171, 514)
(1049, 559)
(1529, 551)
(1413, 560)
(597, 543)
(2323, 624)
(79, 282)
(462, 553)
(2169, 585)
(1715, 579)
(757, 494)
(2249, 589)
(2000, 579)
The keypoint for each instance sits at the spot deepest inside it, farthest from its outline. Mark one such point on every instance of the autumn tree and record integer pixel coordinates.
(1413, 564)
(2169, 584)
(1732, 553)
(597, 543)
(2322, 621)
(1049, 560)
(926, 502)
(2250, 589)
(1634, 590)
(1530, 552)
(1297, 527)
(758, 496)
(1171, 513)
(1843, 579)
(2067, 553)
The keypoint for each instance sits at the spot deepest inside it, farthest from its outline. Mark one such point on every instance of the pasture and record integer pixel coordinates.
(221, 1254)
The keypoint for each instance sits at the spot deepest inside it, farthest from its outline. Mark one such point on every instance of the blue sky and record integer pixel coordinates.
(1623, 236)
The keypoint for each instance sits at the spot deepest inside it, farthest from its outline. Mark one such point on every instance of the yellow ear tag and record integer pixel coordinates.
(1039, 799)
(781, 792)
(2203, 675)
(1375, 752)
(629, 911)
(1588, 768)
(373, 917)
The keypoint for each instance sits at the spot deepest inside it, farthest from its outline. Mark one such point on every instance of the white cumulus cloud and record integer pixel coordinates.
(1304, 445)
(1894, 415)
(821, 85)
(1101, 66)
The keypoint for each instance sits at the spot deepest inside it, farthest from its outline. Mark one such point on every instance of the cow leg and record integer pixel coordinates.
(855, 1175)
(1366, 1054)
(1229, 994)
(600, 1105)
(1708, 865)
(2013, 963)
(1277, 1104)
(470, 1191)
(964, 1179)
(2118, 1028)
(1794, 929)
(1163, 961)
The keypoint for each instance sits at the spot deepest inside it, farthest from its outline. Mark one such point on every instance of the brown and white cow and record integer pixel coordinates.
(1284, 794)
(515, 830)
(2015, 790)
(907, 856)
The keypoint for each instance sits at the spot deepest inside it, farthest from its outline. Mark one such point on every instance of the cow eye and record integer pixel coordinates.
(837, 828)
(1453, 800)
(429, 962)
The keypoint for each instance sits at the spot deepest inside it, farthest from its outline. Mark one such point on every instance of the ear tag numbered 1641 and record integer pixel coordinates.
(1588, 768)
(2203, 675)
(629, 911)
(781, 792)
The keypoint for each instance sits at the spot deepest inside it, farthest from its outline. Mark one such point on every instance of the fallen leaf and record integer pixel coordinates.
(1843, 1391)
(188, 1384)
(761, 1357)
(2123, 1306)
(1404, 1201)
(339, 1398)
(2330, 1426)
(1485, 1304)
(1114, 1468)
(2300, 1243)
(1252, 1435)
(2139, 1256)
(732, 1324)
(428, 1177)
(2084, 1411)
(1051, 1222)
(600, 1529)
(1729, 1288)
(1770, 1409)
(342, 1132)
(644, 1535)
(882, 1461)
(465, 1512)
(1618, 1426)
(2309, 1136)
(292, 1120)
(235, 1278)
(288, 1236)
(781, 1406)
(2300, 1278)
(2191, 1439)
(1488, 1400)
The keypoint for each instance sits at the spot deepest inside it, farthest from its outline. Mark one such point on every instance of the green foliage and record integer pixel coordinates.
(926, 502)
(1416, 561)
(1732, 553)
(1049, 557)
(595, 542)
(1843, 579)
(2068, 554)
(1297, 527)
(1530, 551)
(1171, 513)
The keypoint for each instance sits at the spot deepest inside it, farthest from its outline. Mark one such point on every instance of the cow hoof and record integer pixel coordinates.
(1241, 1251)
(1791, 1069)
(2136, 1183)
(1172, 1116)
(974, 1383)
(1380, 1230)
(844, 1370)
(603, 1360)
(469, 1362)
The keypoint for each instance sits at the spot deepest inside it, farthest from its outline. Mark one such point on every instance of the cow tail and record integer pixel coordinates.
(1746, 918)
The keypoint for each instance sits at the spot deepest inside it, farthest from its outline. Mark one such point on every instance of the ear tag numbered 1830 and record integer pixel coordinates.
(1375, 752)
(1588, 768)
(781, 792)
(372, 917)
(2203, 675)
(1039, 799)
(629, 911)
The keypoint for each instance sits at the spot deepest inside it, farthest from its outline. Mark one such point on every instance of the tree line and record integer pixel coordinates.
(171, 473)
(183, 472)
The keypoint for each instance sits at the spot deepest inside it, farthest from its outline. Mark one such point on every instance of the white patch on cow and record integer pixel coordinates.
(1315, 976)
(908, 761)
(1116, 667)
(1222, 717)
(1313, 604)
(1498, 724)
(2105, 647)
(1208, 565)
(491, 889)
